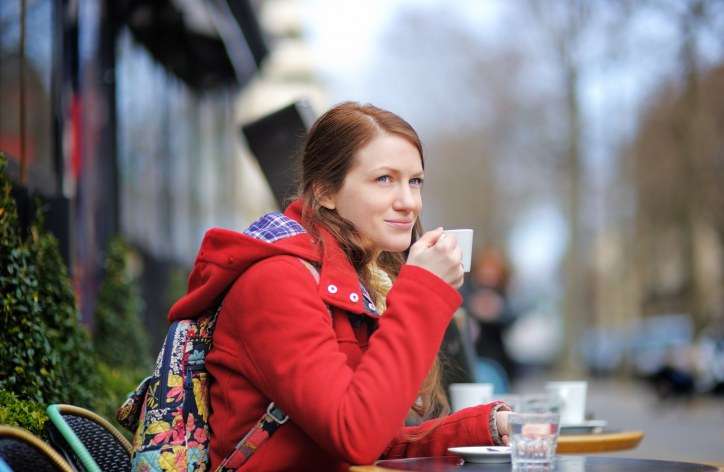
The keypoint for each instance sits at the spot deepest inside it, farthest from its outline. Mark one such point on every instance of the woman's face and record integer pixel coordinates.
(381, 194)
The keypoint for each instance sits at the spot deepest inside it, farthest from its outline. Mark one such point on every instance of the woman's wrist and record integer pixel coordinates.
(498, 426)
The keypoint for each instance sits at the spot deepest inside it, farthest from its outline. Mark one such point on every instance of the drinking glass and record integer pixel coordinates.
(533, 439)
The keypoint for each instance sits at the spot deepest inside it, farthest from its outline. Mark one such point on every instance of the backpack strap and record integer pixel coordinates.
(267, 424)
(262, 430)
(312, 269)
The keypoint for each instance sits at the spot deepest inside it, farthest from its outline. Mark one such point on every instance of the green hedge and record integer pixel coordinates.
(46, 355)
(120, 338)
(70, 341)
(27, 361)
(25, 414)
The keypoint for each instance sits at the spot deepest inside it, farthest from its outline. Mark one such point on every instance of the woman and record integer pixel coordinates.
(306, 321)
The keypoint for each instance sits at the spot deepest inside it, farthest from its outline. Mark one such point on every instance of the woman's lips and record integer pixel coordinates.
(400, 224)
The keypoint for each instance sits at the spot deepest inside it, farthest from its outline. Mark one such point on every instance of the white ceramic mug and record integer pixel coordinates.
(572, 397)
(464, 395)
(465, 241)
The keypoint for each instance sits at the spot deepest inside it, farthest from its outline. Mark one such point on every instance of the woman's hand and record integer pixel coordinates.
(440, 254)
(501, 420)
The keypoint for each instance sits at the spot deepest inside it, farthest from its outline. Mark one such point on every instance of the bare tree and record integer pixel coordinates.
(677, 155)
(563, 24)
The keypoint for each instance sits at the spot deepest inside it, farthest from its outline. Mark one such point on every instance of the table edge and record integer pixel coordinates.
(603, 442)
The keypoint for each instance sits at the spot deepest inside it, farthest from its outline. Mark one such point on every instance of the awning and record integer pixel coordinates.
(206, 43)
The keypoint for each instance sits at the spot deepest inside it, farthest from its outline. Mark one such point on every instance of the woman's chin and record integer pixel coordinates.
(397, 246)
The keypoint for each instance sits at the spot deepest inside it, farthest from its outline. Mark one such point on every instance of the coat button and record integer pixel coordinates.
(354, 297)
(331, 288)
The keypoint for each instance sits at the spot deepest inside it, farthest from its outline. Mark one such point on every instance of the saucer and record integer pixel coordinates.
(589, 426)
(482, 454)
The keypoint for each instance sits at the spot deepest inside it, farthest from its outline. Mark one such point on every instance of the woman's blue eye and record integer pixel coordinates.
(384, 178)
(417, 181)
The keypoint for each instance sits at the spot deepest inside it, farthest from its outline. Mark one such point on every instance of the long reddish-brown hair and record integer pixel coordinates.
(327, 156)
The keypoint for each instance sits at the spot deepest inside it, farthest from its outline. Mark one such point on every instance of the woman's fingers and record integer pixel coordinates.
(439, 253)
(430, 238)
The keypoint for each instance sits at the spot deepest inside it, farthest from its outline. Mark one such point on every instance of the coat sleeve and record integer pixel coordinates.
(293, 357)
(473, 426)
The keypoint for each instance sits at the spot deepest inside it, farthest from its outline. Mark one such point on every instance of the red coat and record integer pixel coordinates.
(347, 378)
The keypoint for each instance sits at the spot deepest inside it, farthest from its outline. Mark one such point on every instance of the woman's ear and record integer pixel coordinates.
(324, 197)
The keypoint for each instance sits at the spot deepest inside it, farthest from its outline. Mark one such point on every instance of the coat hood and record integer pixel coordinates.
(225, 254)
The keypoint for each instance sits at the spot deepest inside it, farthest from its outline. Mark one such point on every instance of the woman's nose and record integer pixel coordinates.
(406, 198)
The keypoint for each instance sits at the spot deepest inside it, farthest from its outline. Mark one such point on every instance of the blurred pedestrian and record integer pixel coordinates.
(485, 299)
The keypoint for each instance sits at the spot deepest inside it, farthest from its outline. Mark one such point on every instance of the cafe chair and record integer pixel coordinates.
(87, 440)
(21, 450)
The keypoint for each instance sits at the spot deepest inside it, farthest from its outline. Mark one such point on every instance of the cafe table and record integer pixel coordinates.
(598, 442)
(563, 463)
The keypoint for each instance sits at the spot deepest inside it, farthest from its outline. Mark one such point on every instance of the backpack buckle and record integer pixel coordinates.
(277, 414)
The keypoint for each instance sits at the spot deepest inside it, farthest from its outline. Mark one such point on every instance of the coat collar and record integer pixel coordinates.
(339, 284)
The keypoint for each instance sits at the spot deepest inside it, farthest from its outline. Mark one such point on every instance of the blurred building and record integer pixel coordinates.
(290, 72)
(126, 113)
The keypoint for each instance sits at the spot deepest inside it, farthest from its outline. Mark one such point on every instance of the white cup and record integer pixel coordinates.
(464, 395)
(465, 241)
(572, 397)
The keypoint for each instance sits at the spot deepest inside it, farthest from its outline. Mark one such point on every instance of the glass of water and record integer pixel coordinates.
(533, 439)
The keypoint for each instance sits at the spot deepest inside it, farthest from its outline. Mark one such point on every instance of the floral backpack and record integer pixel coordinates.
(168, 412)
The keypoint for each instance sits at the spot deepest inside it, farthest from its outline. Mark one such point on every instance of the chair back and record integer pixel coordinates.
(88, 440)
(21, 450)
